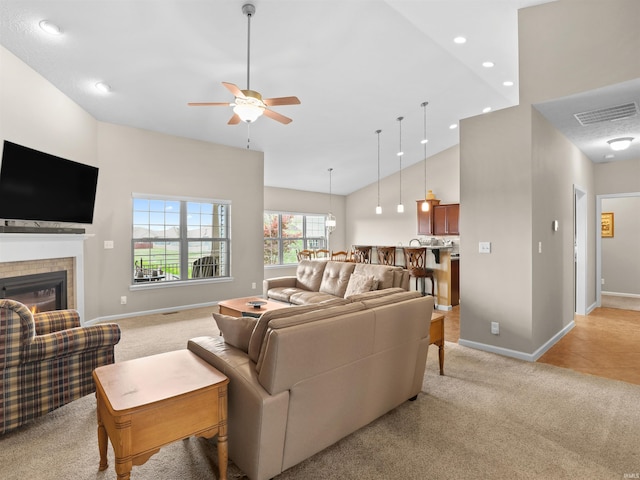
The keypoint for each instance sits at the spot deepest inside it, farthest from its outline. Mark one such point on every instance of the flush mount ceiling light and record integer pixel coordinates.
(103, 87)
(508, 83)
(460, 40)
(50, 27)
(486, 110)
(488, 64)
(621, 143)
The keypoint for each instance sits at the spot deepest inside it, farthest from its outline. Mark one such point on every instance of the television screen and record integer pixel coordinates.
(42, 187)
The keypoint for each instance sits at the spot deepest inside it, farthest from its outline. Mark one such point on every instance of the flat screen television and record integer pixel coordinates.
(42, 187)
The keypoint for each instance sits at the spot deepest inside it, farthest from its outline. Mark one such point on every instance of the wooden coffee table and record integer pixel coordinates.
(236, 306)
(147, 403)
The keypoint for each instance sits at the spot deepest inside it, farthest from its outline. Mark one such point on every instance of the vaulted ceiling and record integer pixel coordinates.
(356, 66)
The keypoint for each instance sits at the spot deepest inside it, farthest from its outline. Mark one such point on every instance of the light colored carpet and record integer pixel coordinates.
(624, 303)
(489, 417)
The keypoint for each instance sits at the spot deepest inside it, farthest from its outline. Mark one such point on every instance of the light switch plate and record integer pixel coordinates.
(108, 244)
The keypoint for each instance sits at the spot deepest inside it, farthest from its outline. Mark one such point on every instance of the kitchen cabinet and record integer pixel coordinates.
(425, 219)
(455, 281)
(445, 219)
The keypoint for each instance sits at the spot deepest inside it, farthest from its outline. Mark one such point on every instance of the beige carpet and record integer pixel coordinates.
(489, 417)
(624, 303)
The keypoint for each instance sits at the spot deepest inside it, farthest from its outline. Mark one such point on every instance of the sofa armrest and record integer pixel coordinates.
(277, 282)
(55, 321)
(71, 341)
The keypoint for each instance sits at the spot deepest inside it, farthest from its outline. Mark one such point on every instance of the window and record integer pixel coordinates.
(179, 239)
(287, 233)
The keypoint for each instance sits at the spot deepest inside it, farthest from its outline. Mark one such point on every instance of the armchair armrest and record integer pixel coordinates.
(55, 321)
(67, 342)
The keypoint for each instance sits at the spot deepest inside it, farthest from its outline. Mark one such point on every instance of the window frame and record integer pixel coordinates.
(305, 239)
(184, 242)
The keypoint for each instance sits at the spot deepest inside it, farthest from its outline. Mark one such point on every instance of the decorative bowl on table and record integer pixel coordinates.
(257, 303)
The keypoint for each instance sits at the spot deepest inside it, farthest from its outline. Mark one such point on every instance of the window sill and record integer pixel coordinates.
(178, 283)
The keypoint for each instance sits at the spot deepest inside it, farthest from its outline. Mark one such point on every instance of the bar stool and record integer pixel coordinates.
(362, 253)
(386, 255)
(415, 260)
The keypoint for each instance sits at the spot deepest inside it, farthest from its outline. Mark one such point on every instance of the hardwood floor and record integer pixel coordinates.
(603, 343)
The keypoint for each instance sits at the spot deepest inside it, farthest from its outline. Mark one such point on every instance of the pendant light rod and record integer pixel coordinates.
(400, 154)
(425, 204)
(378, 207)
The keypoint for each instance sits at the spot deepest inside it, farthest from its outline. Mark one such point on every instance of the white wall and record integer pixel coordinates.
(35, 114)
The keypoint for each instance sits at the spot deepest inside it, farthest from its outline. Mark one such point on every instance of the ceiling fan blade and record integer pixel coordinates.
(234, 120)
(274, 102)
(276, 116)
(234, 89)
(208, 104)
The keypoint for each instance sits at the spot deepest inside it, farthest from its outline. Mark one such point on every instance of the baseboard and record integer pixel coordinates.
(113, 318)
(444, 308)
(591, 308)
(529, 357)
(616, 294)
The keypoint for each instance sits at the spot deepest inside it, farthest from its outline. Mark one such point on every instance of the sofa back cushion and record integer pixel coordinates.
(336, 278)
(309, 274)
(382, 274)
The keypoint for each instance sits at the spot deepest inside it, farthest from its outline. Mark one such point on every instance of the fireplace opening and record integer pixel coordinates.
(40, 292)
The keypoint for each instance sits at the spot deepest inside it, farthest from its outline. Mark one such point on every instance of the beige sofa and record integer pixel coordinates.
(312, 375)
(320, 281)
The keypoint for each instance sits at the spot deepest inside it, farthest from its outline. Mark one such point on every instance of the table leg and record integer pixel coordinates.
(223, 456)
(102, 439)
(441, 357)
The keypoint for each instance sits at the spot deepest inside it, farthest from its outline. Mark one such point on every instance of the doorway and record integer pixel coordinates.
(580, 249)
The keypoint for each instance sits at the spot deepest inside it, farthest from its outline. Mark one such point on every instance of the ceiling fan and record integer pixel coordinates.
(249, 104)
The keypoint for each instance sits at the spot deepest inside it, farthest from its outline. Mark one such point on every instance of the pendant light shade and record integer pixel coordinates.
(378, 208)
(400, 154)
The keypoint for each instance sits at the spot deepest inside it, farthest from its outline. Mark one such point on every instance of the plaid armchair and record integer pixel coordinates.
(46, 360)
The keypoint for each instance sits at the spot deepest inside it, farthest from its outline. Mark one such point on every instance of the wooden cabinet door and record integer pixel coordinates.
(453, 214)
(425, 220)
(440, 220)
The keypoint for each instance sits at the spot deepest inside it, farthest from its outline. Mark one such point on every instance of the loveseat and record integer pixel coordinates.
(47, 360)
(302, 378)
(318, 281)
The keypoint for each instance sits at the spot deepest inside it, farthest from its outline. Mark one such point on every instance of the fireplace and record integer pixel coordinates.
(40, 292)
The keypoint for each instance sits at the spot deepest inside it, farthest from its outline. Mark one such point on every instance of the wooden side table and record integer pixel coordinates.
(147, 403)
(436, 335)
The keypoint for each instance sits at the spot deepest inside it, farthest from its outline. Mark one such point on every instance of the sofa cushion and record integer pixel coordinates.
(310, 298)
(358, 284)
(336, 278)
(375, 294)
(236, 331)
(283, 294)
(384, 274)
(309, 274)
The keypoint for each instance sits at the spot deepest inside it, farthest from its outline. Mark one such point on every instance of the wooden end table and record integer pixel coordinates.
(236, 306)
(147, 403)
(436, 334)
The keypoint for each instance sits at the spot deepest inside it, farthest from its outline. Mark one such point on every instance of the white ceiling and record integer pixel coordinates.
(355, 65)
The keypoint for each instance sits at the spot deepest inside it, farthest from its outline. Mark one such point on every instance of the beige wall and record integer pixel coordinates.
(34, 113)
(517, 175)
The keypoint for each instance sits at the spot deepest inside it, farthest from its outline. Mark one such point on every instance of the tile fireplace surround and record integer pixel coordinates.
(48, 251)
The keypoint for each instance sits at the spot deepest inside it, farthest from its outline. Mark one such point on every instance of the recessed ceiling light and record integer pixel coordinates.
(486, 109)
(424, 140)
(488, 64)
(103, 87)
(618, 144)
(508, 83)
(460, 40)
(50, 27)
(609, 156)
(453, 126)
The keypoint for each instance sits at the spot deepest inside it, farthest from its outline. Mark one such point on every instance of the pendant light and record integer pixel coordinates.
(400, 154)
(425, 204)
(378, 208)
(330, 223)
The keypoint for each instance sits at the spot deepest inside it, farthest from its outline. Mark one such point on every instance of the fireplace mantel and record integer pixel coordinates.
(19, 247)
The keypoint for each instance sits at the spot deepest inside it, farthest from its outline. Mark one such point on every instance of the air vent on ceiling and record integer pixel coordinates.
(607, 114)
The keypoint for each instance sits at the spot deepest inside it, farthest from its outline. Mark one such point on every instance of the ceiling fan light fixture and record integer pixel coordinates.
(618, 144)
(249, 108)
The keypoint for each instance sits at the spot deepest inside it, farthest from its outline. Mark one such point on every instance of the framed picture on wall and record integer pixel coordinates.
(607, 225)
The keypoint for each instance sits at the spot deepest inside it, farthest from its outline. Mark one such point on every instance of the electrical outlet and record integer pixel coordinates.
(602, 281)
(495, 328)
(484, 247)
(123, 300)
(108, 244)
(539, 247)
(253, 285)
